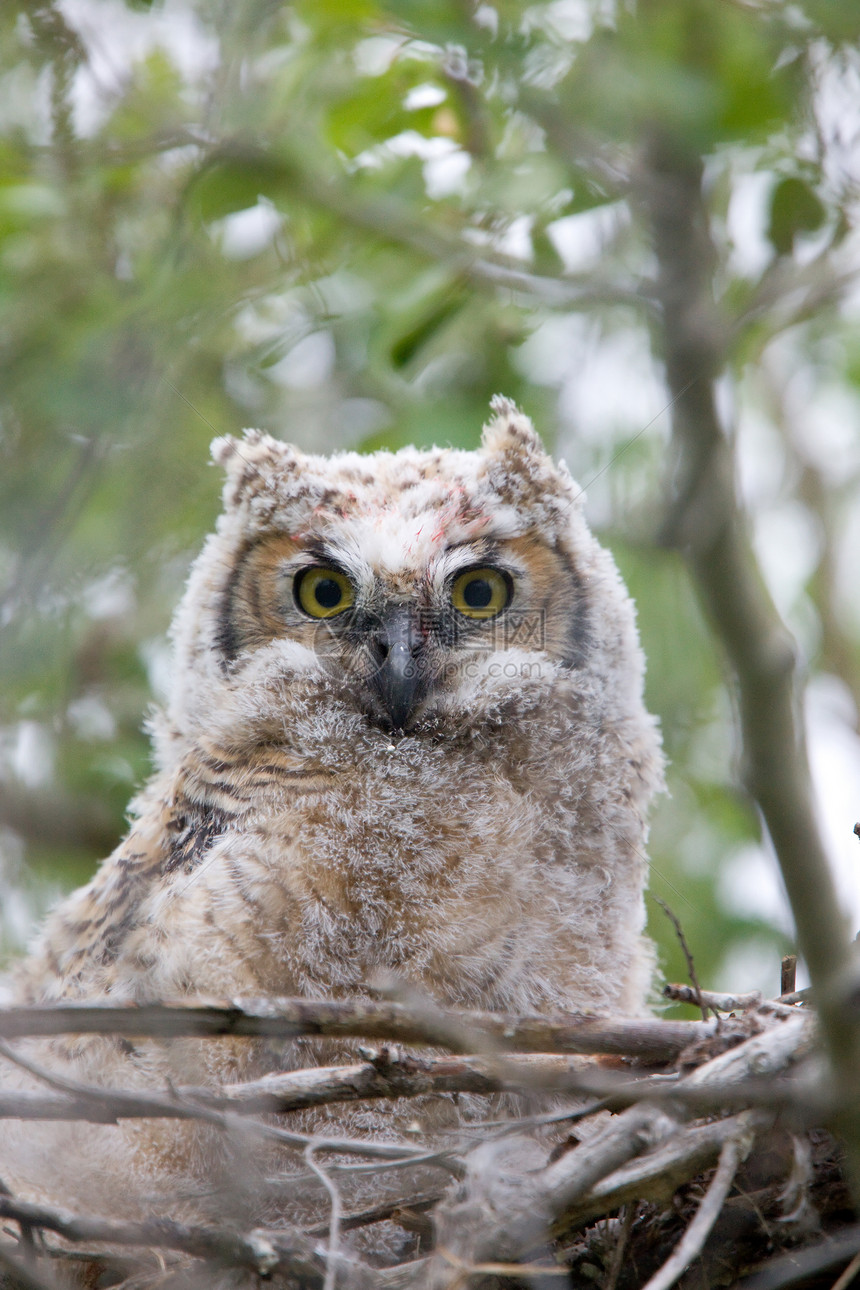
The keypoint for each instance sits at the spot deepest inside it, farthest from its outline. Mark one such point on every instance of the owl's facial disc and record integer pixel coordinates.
(396, 639)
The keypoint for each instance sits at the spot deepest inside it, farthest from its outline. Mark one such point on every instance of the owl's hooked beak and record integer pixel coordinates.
(400, 678)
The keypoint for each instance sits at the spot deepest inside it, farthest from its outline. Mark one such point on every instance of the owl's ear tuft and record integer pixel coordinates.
(223, 448)
(509, 430)
(521, 472)
(256, 465)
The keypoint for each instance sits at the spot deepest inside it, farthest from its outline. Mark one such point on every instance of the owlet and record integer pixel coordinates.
(406, 735)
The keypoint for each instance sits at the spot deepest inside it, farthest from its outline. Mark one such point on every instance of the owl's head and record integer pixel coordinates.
(405, 586)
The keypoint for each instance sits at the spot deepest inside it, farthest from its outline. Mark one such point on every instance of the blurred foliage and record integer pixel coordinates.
(351, 223)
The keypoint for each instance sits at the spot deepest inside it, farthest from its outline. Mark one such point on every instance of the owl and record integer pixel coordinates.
(406, 735)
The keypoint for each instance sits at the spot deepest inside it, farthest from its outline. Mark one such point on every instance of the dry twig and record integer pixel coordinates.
(845, 1280)
(646, 1038)
(625, 1222)
(163, 1106)
(797, 1266)
(287, 1251)
(711, 998)
(691, 966)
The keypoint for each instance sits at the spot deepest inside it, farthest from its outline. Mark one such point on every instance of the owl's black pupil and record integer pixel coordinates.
(478, 593)
(328, 593)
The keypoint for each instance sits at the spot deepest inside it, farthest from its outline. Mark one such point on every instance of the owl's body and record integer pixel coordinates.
(406, 735)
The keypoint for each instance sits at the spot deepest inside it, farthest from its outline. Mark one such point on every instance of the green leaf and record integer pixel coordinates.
(232, 184)
(794, 209)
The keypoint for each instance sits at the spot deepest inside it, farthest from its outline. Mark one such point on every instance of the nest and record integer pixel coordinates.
(689, 1153)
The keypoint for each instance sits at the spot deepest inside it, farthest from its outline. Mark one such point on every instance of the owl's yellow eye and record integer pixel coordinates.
(323, 592)
(481, 593)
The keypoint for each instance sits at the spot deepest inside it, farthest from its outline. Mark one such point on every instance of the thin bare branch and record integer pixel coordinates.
(405, 1075)
(688, 956)
(712, 998)
(98, 1105)
(518, 1270)
(129, 1104)
(797, 996)
(286, 1250)
(398, 1208)
(394, 221)
(52, 522)
(625, 1224)
(789, 293)
(334, 1216)
(397, 1074)
(645, 1038)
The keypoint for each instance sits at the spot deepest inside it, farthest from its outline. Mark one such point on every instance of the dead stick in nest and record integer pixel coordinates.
(388, 1151)
(645, 1038)
(711, 998)
(286, 1250)
(390, 1075)
(504, 1216)
(685, 949)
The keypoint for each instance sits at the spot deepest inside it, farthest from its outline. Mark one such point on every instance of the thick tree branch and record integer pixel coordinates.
(56, 819)
(706, 524)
